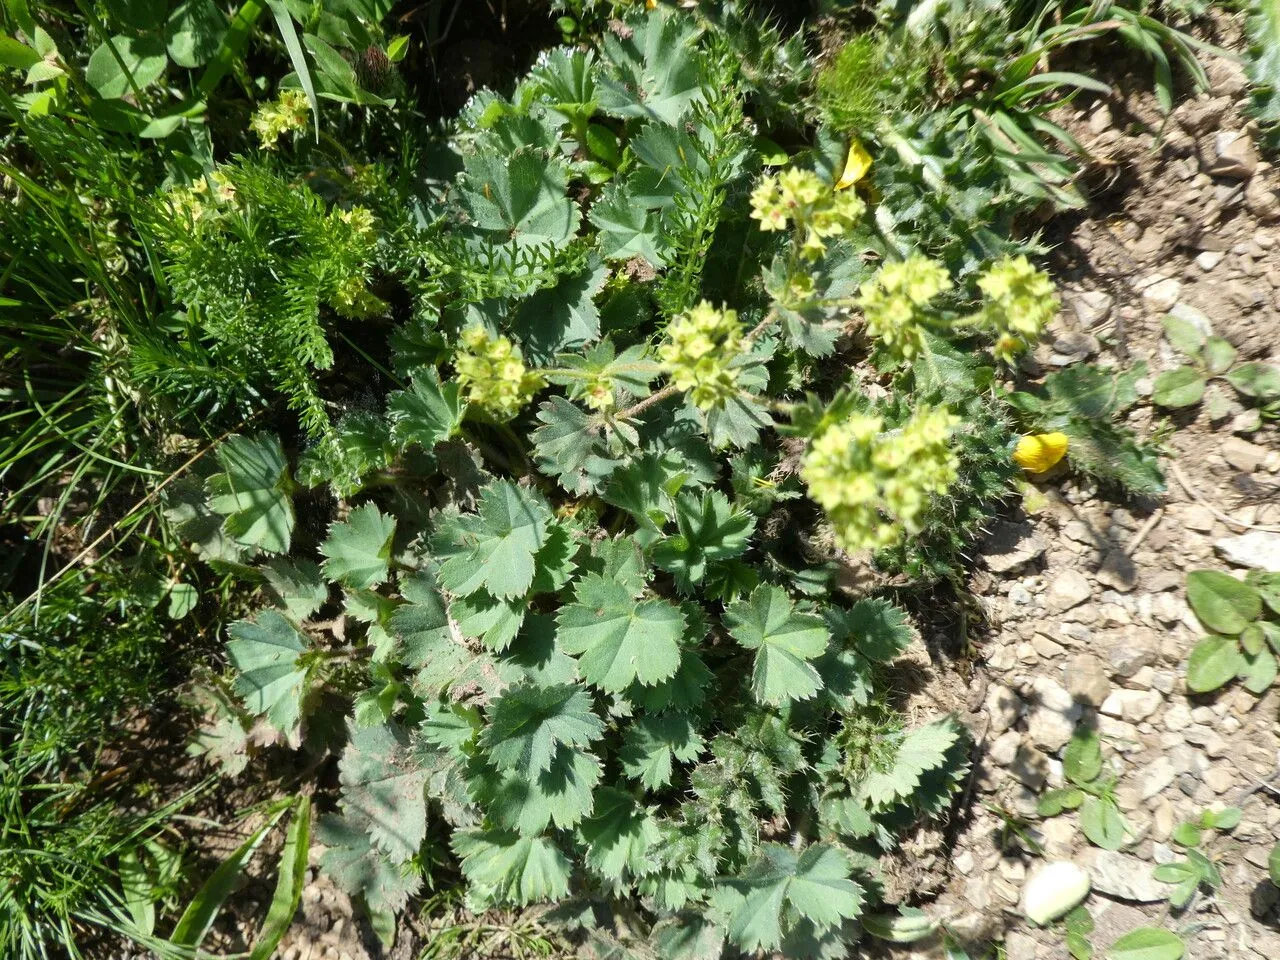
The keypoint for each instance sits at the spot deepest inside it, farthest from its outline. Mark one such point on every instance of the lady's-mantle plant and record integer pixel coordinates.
(576, 612)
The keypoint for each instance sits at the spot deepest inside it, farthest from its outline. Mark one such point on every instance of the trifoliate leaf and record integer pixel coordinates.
(784, 641)
(785, 885)
(361, 869)
(652, 743)
(521, 197)
(619, 836)
(382, 789)
(265, 651)
(711, 529)
(298, 586)
(359, 550)
(568, 447)
(561, 794)
(509, 868)
(254, 492)
(427, 413)
(920, 751)
(494, 550)
(619, 639)
(654, 71)
(527, 724)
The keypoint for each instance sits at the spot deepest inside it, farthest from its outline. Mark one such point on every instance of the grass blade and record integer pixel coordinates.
(293, 874)
(200, 913)
(297, 57)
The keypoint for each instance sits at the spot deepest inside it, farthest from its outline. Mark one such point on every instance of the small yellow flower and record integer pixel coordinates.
(856, 167)
(1041, 451)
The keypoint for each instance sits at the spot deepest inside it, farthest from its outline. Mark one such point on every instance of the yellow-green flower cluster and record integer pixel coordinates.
(198, 200)
(1020, 300)
(361, 222)
(353, 300)
(273, 120)
(491, 371)
(699, 351)
(800, 199)
(873, 485)
(892, 303)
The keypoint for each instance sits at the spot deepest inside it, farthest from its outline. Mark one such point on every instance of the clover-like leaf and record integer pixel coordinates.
(265, 652)
(785, 642)
(359, 549)
(528, 723)
(494, 550)
(254, 492)
(620, 640)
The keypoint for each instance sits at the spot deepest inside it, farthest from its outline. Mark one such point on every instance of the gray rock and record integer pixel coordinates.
(1020, 946)
(1243, 455)
(1003, 707)
(1087, 679)
(1066, 590)
(1118, 571)
(1011, 546)
(1157, 776)
(1160, 293)
(1209, 259)
(1004, 748)
(1135, 649)
(1262, 200)
(1233, 156)
(1132, 705)
(1031, 767)
(1123, 876)
(1091, 306)
(1053, 715)
(1257, 549)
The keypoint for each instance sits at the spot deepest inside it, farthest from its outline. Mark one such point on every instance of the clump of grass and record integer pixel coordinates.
(865, 84)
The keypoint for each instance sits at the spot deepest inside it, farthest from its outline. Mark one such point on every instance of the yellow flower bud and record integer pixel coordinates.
(1040, 452)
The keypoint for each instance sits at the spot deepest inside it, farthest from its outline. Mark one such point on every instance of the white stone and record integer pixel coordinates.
(1054, 890)
(1257, 549)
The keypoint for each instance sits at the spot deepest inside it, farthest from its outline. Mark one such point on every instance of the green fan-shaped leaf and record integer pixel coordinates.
(784, 641)
(382, 789)
(561, 794)
(521, 196)
(298, 585)
(619, 836)
(569, 447)
(509, 868)
(363, 870)
(427, 413)
(710, 530)
(266, 652)
(528, 723)
(359, 549)
(920, 751)
(494, 550)
(655, 71)
(652, 743)
(254, 492)
(785, 885)
(620, 640)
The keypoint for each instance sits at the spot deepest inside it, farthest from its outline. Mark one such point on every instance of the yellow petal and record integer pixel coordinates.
(1038, 452)
(856, 167)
